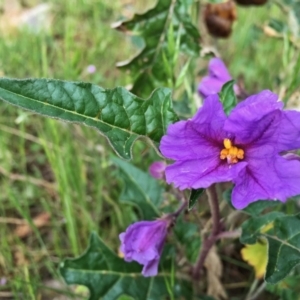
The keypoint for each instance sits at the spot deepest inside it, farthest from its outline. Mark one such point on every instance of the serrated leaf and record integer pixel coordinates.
(167, 20)
(227, 96)
(194, 196)
(283, 238)
(109, 277)
(119, 115)
(257, 256)
(140, 189)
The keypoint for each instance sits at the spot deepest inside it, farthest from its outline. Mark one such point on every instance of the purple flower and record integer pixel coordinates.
(157, 169)
(249, 147)
(218, 76)
(143, 242)
(91, 69)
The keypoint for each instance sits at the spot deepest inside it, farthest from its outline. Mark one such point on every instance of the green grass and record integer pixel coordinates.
(74, 161)
(64, 169)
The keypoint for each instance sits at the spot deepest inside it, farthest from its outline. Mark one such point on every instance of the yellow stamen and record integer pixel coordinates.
(227, 143)
(223, 153)
(232, 153)
(234, 160)
(240, 154)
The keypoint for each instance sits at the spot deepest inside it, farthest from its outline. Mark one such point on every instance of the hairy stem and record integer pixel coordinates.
(210, 241)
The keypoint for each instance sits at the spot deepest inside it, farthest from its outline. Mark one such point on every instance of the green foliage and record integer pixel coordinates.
(287, 289)
(69, 164)
(294, 10)
(227, 96)
(109, 277)
(119, 115)
(194, 196)
(166, 31)
(140, 189)
(283, 235)
(72, 161)
(277, 25)
(256, 208)
(188, 235)
(253, 227)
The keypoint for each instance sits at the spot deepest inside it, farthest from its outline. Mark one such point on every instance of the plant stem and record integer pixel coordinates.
(256, 294)
(179, 210)
(229, 234)
(210, 241)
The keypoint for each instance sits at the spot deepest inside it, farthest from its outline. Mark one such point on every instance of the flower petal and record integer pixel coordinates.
(261, 135)
(202, 173)
(274, 178)
(218, 69)
(122, 236)
(151, 268)
(199, 137)
(254, 118)
(256, 106)
(218, 76)
(289, 131)
(209, 86)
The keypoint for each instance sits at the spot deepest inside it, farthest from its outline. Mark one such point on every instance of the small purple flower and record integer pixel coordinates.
(91, 69)
(218, 76)
(3, 281)
(157, 169)
(249, 147)
(143, 242)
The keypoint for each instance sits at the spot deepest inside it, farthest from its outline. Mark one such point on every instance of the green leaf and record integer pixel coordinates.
(119, 115)
(287, 289)
(283, 235)
(125, 298)
(227, 96)
(166, 29)
(182, 106)
(108, 277)
(182, 75)
(227, 197)
(258, 207)
(140, 189)
(188, 235)
(194, 196)
(253, 228)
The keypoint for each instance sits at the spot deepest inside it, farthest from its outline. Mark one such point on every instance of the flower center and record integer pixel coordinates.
(231, 153)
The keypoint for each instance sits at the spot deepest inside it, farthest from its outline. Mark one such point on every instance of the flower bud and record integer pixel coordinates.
(157, 169)
(143, 242)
